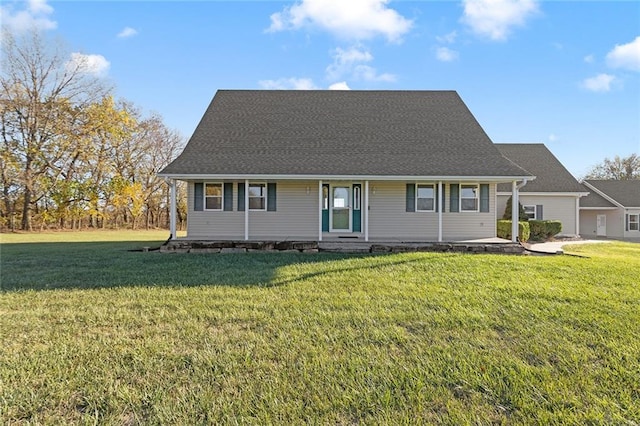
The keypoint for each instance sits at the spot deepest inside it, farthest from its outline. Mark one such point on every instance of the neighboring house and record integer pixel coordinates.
(314, 165)
(553, 195)
(612, 209)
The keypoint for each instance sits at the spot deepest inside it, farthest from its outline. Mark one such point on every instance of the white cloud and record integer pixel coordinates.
(351, 62)
(90, 64)
(625, 56)
(127, 32)
(599, 83)
(447, 38)
(288, 84)
(34, 16)
(553, 137)
(589, 59)
(341, 85)
(445, 54)
(351, 19)
(495, 19)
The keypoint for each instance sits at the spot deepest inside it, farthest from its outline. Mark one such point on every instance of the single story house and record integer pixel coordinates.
(612, 209)
(317, 165)
(553, 195)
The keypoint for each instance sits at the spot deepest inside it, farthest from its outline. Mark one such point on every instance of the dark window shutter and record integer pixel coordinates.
(240, 196)
(626, 222)
(271, 197)
(484, 198)
(198, 196)
(411, 197)
(539, 212)
(435, 197)
(228, 196)
(454, 198)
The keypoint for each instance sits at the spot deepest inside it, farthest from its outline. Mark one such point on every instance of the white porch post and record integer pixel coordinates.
(366, 210)
(320, 200)
(246, 209)
(173, 212)
(577, 216)
(514, 211)
(439, 201)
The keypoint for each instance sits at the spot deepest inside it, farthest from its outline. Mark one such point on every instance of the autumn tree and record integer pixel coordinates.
(43, 96)
(625, 168)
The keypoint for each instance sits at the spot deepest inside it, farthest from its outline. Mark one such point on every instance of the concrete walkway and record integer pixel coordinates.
(555, 247)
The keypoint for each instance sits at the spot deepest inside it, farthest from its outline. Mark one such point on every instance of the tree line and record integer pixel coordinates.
(71, 155)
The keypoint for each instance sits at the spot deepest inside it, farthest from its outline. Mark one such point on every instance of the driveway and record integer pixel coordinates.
(555, 247)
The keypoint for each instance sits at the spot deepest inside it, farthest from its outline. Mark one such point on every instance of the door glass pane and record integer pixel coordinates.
(341, 219)
(340, 197)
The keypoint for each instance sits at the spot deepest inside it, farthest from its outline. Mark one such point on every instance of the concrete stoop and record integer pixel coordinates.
(192, 246)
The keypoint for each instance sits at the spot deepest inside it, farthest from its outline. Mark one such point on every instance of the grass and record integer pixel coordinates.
(90, 332)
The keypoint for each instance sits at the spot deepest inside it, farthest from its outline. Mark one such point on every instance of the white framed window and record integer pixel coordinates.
(633, 221)
(213, 195)
(469, 198)
(356, 198)
(425, 198)
(257, 196)
(530, 211)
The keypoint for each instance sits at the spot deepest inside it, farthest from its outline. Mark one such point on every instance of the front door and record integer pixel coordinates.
(601, 225)
(340, 209)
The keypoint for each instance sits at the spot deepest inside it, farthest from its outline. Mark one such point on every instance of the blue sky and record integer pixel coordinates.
(565, 73)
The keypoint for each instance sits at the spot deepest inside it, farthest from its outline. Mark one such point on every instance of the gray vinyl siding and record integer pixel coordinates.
(615, 223)
(630, 234)
(562, 208)
(388, 218)
(296, 217)
(213, 224)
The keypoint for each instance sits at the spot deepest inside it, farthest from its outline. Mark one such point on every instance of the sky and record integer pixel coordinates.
(562, 73)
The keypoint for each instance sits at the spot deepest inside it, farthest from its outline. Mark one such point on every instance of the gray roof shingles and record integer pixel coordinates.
(551, 175)
(625, 192)
(340, 133)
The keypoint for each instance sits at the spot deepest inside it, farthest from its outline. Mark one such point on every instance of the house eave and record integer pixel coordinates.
(547, 194)
(496, 179)
(598, 208)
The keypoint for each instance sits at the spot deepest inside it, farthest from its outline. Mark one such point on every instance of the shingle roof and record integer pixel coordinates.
(594, 199)
(551, 175)
(625, 192)
(340, 133)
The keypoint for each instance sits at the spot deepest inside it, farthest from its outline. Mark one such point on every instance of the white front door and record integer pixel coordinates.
(601, 225)
(341, 208)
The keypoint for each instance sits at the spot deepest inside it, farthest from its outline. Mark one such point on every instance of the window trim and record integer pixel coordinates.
(535, 210)
(205, 196)
(636, 223)
(264, 196)
(434, 198)
(477, 197)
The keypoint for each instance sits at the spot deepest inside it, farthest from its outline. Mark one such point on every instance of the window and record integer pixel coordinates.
(257, 196)
(633, 222)
(213, 196)
(425, 199)
(469, 198)
(356, 198)
(530, 211)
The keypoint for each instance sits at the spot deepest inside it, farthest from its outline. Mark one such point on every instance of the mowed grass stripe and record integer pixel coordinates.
(122, 338)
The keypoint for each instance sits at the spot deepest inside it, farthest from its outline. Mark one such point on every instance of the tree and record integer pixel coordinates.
(626, 168)
(522, 215)
(43, 96)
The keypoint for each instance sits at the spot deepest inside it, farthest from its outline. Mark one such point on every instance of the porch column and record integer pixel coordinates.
(578, 216)
(173, 212)
(366, 210)
(246, 209)
(320, 200)
(514, 211)
(439, 211)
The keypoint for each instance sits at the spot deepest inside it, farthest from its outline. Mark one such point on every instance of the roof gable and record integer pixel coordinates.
(624, 192)
(551, 175)
(340, 133)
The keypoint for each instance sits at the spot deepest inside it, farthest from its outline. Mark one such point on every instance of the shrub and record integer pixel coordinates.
(542, 230)
(504, 230)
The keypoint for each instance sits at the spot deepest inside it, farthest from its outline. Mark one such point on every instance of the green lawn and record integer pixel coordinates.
(93, 333)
